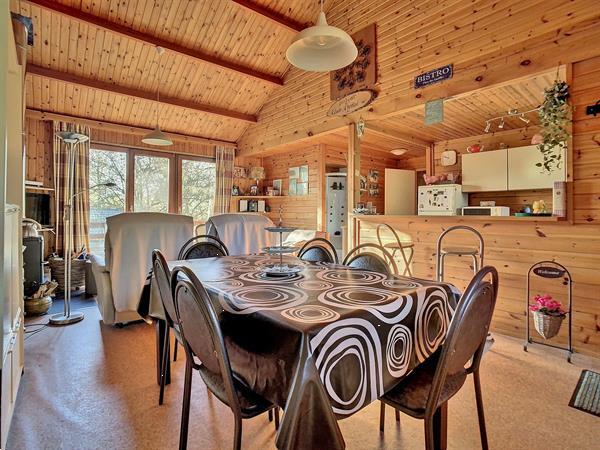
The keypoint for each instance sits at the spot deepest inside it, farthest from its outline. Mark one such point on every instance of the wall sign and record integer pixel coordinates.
(433, 76)
(352, 102)
(548, 272)
(434, 112)
(362, 73)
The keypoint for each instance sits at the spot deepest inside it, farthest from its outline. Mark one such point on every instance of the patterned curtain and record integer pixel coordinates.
(224, 167)
(80, 210)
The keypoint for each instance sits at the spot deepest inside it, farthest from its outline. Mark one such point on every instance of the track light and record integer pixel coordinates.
(501, 124)
(487, 126)
(524, 119)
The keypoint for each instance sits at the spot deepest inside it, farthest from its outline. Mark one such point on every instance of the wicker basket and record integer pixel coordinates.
(547, 326)
(57, 267)
(37, 306)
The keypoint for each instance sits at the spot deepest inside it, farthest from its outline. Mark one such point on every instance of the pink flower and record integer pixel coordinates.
(545, 304)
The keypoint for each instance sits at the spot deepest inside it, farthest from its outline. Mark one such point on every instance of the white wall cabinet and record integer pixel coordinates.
(485, 171)
(524, 174)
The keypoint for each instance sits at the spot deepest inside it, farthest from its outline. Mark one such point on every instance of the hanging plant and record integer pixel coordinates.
(555, 117)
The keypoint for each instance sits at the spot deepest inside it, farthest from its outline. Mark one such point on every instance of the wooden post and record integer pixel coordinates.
(353, 180)
(322, 207)
(430, 160)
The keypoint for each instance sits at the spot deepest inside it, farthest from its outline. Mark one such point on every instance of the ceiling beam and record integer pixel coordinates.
(130, 33)
(273, 16)
(136, 93)
(121, 127)
(382, 130)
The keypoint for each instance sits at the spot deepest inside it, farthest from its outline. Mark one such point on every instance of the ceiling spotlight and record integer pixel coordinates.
(524, 119)
(398, 151)
(487, 126)
(501, 124)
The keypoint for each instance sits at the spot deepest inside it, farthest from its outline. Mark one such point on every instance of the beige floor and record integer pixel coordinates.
(91, 386)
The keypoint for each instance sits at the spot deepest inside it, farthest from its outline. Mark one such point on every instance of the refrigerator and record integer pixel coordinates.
(400, 192)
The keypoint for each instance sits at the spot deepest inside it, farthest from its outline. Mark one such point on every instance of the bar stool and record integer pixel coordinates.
(476, 253)
(400, 246)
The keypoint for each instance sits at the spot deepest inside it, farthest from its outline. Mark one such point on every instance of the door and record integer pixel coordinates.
(400, 191)
(523, 172)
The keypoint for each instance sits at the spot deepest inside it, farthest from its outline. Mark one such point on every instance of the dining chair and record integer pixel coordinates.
(365, 256)
(429, 387)
(406, 248)
(203, 246)
(318, 250)
(203, 340)
(162, 276)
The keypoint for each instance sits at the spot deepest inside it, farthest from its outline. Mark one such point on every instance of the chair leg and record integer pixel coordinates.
(277, 418)
(480, 414)
(429, 435)
(237, 442)
(382, 418)
(175, 350)
(397, 416)
(163, 367)
(185, 411)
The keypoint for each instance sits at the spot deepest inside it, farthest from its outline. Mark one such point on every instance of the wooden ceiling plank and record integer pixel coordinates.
(273, 16)
(151, 96)
(154, 40)
(124, 128)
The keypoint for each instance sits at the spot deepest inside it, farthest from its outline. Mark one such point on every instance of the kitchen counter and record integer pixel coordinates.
(383, 217)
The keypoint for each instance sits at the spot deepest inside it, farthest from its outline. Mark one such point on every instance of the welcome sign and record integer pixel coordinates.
(433, 76)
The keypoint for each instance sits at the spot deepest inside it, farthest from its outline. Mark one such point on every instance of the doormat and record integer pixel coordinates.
(586, 396)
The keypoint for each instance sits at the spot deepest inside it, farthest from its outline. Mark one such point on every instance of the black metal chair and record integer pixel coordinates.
(429, 387)
(162, 276)
(203, 246)
(369, 260)
(318, 250)
(202, 339)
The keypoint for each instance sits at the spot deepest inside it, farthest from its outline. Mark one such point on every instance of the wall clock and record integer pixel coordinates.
(448, 158)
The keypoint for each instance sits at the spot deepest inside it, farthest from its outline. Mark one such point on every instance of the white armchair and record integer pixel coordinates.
(130, 239)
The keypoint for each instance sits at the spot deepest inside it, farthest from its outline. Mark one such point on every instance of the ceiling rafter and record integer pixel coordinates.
(122, 127)
(154, 40)
(273, 16)
(136, 93)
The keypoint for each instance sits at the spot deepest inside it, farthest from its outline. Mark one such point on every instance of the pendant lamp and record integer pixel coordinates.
(157, 137)
(321, 48)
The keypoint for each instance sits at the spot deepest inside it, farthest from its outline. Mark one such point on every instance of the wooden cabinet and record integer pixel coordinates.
(485, 171)
(524, 174)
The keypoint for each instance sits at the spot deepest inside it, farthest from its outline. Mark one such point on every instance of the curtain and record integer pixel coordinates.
(224, 181)
(80, 209)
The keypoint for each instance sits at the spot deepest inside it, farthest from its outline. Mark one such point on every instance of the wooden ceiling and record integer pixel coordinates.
(466, 115)
(223, 59)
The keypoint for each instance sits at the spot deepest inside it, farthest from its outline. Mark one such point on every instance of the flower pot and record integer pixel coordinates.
(547, 326)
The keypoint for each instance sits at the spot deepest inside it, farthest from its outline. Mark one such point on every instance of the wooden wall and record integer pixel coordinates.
(488, 42)
(513, 246)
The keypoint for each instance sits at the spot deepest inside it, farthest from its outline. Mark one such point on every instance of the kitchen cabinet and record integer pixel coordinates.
(485, 171)
(524, 174)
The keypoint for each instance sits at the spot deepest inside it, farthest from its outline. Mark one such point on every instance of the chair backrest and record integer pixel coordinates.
(385, 226)
(203, 246)
(162, 277)
(318, 249)
(468, 229)
(465, 340)
(200, 329)
(366, 256)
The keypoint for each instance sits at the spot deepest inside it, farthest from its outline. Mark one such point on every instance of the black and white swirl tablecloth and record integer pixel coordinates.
(331, 337)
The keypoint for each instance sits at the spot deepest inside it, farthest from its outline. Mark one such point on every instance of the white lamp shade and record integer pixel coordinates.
(321, 48)
(157, 137)
(398, 151)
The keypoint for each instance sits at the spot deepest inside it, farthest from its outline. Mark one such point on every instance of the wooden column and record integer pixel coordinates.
(353, 180)
(322, 206)
(430, 160)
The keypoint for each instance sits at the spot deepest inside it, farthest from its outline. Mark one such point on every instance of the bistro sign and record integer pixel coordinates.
(433, 76)
(352, 102)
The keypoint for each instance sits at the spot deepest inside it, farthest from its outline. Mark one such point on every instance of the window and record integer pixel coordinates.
(147, 181)
(197, 188)
(105, 166)
(151, 184)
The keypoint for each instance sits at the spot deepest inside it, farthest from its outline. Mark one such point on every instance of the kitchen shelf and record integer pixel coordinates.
(262, 197)
(36, 188)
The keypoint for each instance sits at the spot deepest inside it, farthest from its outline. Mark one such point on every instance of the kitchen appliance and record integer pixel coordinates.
(337, 212)
(441, 200)
(486, 211)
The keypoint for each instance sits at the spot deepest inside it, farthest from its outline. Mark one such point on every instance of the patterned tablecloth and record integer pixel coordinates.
(325, 342)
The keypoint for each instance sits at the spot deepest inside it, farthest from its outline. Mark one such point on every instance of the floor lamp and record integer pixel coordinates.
(71, 140)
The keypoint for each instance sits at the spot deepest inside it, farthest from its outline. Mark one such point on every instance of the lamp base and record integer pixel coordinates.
(61, 319)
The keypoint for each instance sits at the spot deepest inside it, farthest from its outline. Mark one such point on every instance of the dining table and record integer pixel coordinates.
(324, 342)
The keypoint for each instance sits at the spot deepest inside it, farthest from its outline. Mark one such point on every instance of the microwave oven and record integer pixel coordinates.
(486, 211)
(441, 200)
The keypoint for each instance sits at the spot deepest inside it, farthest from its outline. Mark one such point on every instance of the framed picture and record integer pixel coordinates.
(240, 172)
(373, 176)
(278, 186)
(294, 172)
(292, 187)
(363, 183)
